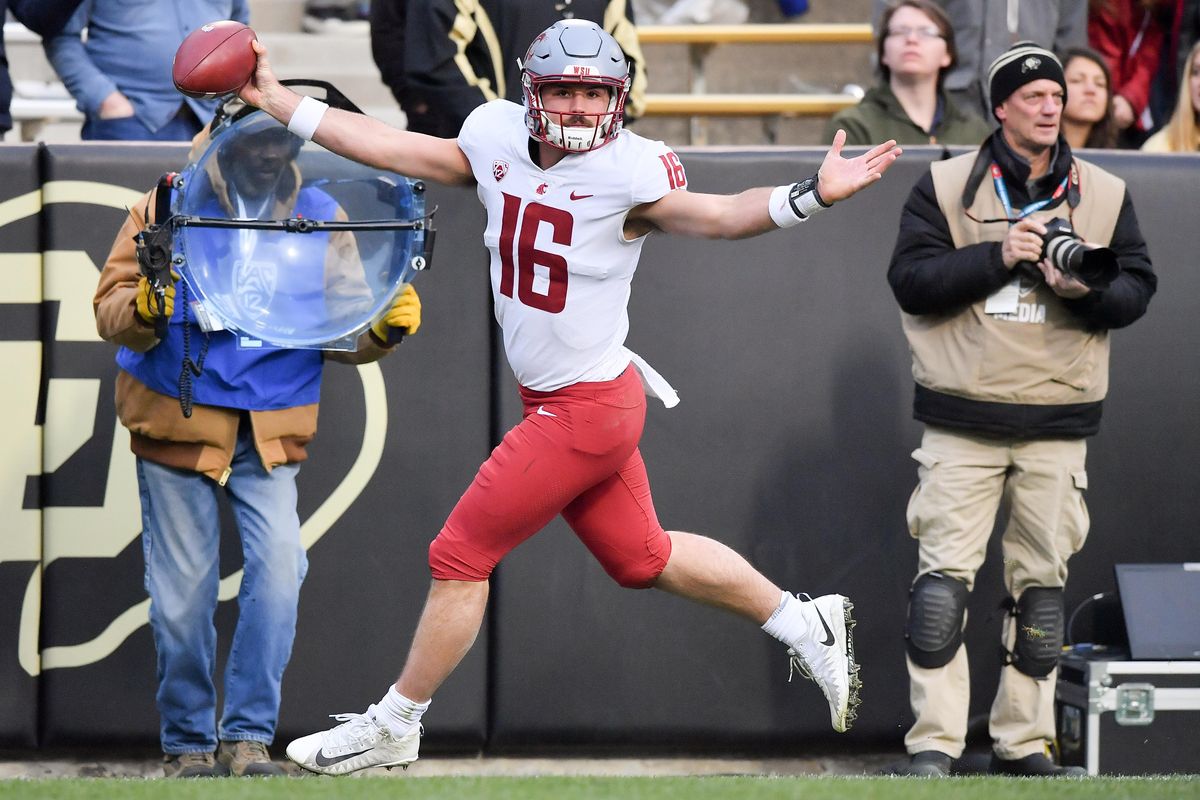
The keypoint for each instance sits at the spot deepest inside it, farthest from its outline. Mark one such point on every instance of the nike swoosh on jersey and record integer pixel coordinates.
(328, 761)
(542, 410)
(581, 196)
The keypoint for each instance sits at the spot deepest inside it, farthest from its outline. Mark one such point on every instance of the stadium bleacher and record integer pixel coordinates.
(43, 111)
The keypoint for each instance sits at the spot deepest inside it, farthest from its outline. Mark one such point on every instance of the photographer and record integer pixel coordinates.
(1010, 357)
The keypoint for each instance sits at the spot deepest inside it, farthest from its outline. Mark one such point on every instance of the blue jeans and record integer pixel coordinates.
(182, 127)
(180, 540)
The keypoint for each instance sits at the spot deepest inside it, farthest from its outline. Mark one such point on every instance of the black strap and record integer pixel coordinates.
(153, 251)
(190, 369)
(162, 198)
(233, 108)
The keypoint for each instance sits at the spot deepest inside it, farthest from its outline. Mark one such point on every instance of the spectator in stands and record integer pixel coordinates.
(914, 45)
(443, 58)
(1087, 118)
(1129, 34)
(43, 17)
(986, 28)
(121, 76)
(1181, 134)
(1183, 32)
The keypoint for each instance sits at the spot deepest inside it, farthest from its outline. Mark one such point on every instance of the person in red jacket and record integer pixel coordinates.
(1129, 34)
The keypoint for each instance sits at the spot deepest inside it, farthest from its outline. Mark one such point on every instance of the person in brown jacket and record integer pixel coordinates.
(253, 412)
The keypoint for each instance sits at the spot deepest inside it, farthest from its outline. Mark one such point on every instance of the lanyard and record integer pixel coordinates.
(1002, 191)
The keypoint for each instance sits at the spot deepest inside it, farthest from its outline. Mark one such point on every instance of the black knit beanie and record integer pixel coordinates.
(1020, 64)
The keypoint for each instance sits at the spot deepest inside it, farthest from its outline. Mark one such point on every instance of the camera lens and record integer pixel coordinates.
(1095, 267)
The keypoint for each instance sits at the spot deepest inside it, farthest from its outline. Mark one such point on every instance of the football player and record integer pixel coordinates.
(570, 198)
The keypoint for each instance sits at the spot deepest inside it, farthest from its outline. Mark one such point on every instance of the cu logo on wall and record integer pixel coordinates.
(70, 539)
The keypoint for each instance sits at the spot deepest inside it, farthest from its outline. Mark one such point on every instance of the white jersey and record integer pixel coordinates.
(560, 264)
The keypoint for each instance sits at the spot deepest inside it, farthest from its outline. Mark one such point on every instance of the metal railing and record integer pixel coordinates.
(701, 39)
(31, 114)
(35, 104)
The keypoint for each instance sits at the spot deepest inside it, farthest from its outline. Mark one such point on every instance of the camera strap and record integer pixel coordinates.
(1005, 300)
(1002, 193)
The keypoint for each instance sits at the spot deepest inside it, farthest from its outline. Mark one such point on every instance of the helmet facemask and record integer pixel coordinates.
(545, 126)
(574, 52)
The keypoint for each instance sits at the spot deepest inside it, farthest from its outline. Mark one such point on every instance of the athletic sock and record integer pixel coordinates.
(788, 623)
(398, 714)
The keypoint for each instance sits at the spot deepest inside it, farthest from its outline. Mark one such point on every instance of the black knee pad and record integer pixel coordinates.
(936, 605)
(1040, 625)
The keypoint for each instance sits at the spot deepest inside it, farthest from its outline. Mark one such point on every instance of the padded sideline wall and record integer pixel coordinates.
(791, 445)
(391, 456)
(21, 418)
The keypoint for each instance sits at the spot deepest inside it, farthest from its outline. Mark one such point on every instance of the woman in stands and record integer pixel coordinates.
(1087, 118)
(915, 49)
(1181, 134)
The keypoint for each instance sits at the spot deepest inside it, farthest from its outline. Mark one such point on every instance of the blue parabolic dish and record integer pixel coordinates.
(278, 277)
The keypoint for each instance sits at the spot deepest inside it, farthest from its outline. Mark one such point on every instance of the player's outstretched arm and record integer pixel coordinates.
(360, 137)
(755, 211)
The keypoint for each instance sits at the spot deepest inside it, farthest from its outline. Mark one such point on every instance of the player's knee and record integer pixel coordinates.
(640, 574)
(1040, 630)
(638, 567)
(933, 632)
(451, 561)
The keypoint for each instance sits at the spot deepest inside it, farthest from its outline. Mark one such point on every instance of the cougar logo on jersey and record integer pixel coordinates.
(542, 188)
(499, 169)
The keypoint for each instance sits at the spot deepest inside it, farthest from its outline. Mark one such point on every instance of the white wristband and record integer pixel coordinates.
(781, 208)
(793, 204)
(307, 117)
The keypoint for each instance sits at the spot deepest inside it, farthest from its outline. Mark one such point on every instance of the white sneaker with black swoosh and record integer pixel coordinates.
(358, 743)
(826, 655)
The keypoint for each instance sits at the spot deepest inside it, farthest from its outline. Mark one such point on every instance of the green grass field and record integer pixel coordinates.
(559, 788)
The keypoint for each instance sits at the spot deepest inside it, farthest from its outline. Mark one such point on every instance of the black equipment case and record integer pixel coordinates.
(1122, 717)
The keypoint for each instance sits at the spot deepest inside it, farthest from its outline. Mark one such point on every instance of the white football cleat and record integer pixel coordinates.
(358, 743)
(826, 656)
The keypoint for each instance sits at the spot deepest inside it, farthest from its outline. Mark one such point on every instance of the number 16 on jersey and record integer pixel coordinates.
(523, 229)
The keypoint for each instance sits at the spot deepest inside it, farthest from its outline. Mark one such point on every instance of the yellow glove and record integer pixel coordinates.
(147, 300)
(404, 314)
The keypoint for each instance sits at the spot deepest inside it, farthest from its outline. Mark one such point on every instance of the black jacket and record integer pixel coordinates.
(929, 275)
(416, 47)
(43, 17)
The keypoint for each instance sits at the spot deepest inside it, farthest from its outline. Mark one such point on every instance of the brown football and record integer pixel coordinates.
(215, 59)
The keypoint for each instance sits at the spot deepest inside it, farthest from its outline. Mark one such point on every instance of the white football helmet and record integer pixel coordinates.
(574, 51)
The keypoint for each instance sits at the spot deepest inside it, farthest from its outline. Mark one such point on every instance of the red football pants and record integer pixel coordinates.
(575, 453)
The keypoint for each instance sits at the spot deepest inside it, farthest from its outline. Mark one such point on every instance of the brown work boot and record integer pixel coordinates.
(192, 765)
(247, 759)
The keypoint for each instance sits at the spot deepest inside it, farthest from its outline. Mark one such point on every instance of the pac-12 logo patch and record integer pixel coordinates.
(499, 169)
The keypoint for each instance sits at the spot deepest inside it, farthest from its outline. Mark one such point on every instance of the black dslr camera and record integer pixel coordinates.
(1094, 267)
